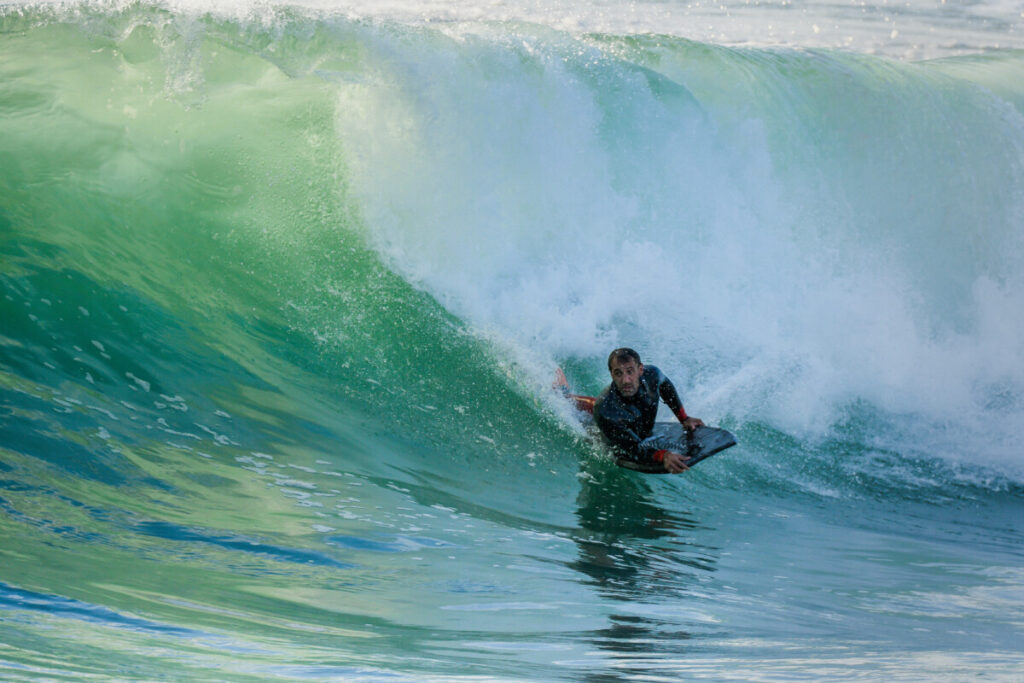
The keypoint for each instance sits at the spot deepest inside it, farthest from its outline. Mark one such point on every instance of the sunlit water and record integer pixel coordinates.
(284, 288)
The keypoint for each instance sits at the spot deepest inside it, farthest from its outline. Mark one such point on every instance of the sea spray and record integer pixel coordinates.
(830, 228)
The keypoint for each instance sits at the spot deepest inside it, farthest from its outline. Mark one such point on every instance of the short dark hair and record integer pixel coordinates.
(622, 355)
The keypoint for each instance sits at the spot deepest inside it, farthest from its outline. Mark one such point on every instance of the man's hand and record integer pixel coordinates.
(692, 423)
(673, 463)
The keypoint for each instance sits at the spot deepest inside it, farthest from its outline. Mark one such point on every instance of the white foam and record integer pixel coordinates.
(564, 202)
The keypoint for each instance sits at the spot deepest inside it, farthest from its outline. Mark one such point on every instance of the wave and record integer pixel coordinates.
(793, 233)
(208, 217)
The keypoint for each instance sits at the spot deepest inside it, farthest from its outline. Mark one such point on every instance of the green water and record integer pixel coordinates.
(281, 305)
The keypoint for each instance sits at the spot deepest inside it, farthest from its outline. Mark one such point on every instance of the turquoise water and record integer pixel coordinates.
(284, 292)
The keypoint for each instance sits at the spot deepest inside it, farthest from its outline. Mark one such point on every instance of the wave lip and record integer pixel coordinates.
(919, 29)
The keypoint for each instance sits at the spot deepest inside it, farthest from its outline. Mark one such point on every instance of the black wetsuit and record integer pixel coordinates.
(627, 422)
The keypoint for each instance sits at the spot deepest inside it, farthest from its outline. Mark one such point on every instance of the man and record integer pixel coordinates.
(626, 409)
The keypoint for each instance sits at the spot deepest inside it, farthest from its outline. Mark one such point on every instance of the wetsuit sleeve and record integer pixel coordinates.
(626, 441)
(670, 396)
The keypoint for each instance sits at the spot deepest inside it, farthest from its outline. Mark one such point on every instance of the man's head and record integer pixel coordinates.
(625, 367)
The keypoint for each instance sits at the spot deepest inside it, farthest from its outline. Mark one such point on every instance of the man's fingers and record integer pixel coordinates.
(674, 464)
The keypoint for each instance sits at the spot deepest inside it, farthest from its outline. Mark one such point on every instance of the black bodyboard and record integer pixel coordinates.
(701, 443)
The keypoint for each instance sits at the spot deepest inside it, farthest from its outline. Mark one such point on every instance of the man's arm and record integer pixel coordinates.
(633, 447)
(621, 436)
(670, 396)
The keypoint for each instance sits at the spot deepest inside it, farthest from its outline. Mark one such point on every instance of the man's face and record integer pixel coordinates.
(626, 376)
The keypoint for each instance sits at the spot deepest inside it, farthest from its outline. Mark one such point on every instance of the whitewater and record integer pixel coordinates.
(285, 287)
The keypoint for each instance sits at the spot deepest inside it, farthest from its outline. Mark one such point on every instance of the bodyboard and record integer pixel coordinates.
(695, 446)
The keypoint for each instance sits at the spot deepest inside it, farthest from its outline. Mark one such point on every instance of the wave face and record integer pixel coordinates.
(284, 292)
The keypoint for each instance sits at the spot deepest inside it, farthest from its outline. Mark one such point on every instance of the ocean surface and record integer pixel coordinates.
(284, 288)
